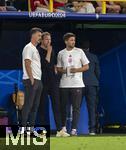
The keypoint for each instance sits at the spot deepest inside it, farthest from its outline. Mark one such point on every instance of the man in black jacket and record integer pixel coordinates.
(91, 80)
(50, 85)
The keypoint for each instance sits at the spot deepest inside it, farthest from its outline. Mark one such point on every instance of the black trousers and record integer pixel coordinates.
(51, 90)
(31, 103)
(75, 96)
(91, 95)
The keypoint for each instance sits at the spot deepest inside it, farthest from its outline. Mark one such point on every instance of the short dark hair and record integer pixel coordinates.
(68, 35)
(45, 34)
(34, 30)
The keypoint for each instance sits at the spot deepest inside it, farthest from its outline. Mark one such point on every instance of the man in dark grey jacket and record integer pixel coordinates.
(91, 80)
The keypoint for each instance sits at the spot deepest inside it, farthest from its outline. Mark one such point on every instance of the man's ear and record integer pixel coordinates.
(65, 42)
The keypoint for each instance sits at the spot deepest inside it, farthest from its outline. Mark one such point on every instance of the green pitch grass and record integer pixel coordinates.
(89, 143)
(98, 142)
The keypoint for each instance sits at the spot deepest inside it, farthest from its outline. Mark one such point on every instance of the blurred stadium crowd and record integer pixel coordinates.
(78, 6)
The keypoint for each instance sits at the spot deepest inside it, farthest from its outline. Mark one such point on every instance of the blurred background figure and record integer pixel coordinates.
(91, 80)
(112, 7)
(83, 6)
(123, 6)
(43, 5)
(2, 5)
(7, 5)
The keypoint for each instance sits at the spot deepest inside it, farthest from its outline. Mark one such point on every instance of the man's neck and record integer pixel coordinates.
(34, 43)
(69, 48)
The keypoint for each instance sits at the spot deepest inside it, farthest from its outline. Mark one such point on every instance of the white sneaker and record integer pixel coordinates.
(64, 129)
(92, 133)
(29, 130)
(22, 130)
(62, 134)
(74, 132)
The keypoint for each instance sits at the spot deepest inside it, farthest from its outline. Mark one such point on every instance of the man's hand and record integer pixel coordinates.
(32, 81)
(61, 70)
(73, 70)
(49, 48)
(55, 69)
(82, 69)
(29, 70)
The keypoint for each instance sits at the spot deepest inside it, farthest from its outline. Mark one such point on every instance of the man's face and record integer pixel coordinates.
(46, 40)
(37, 37)
(70, 42)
